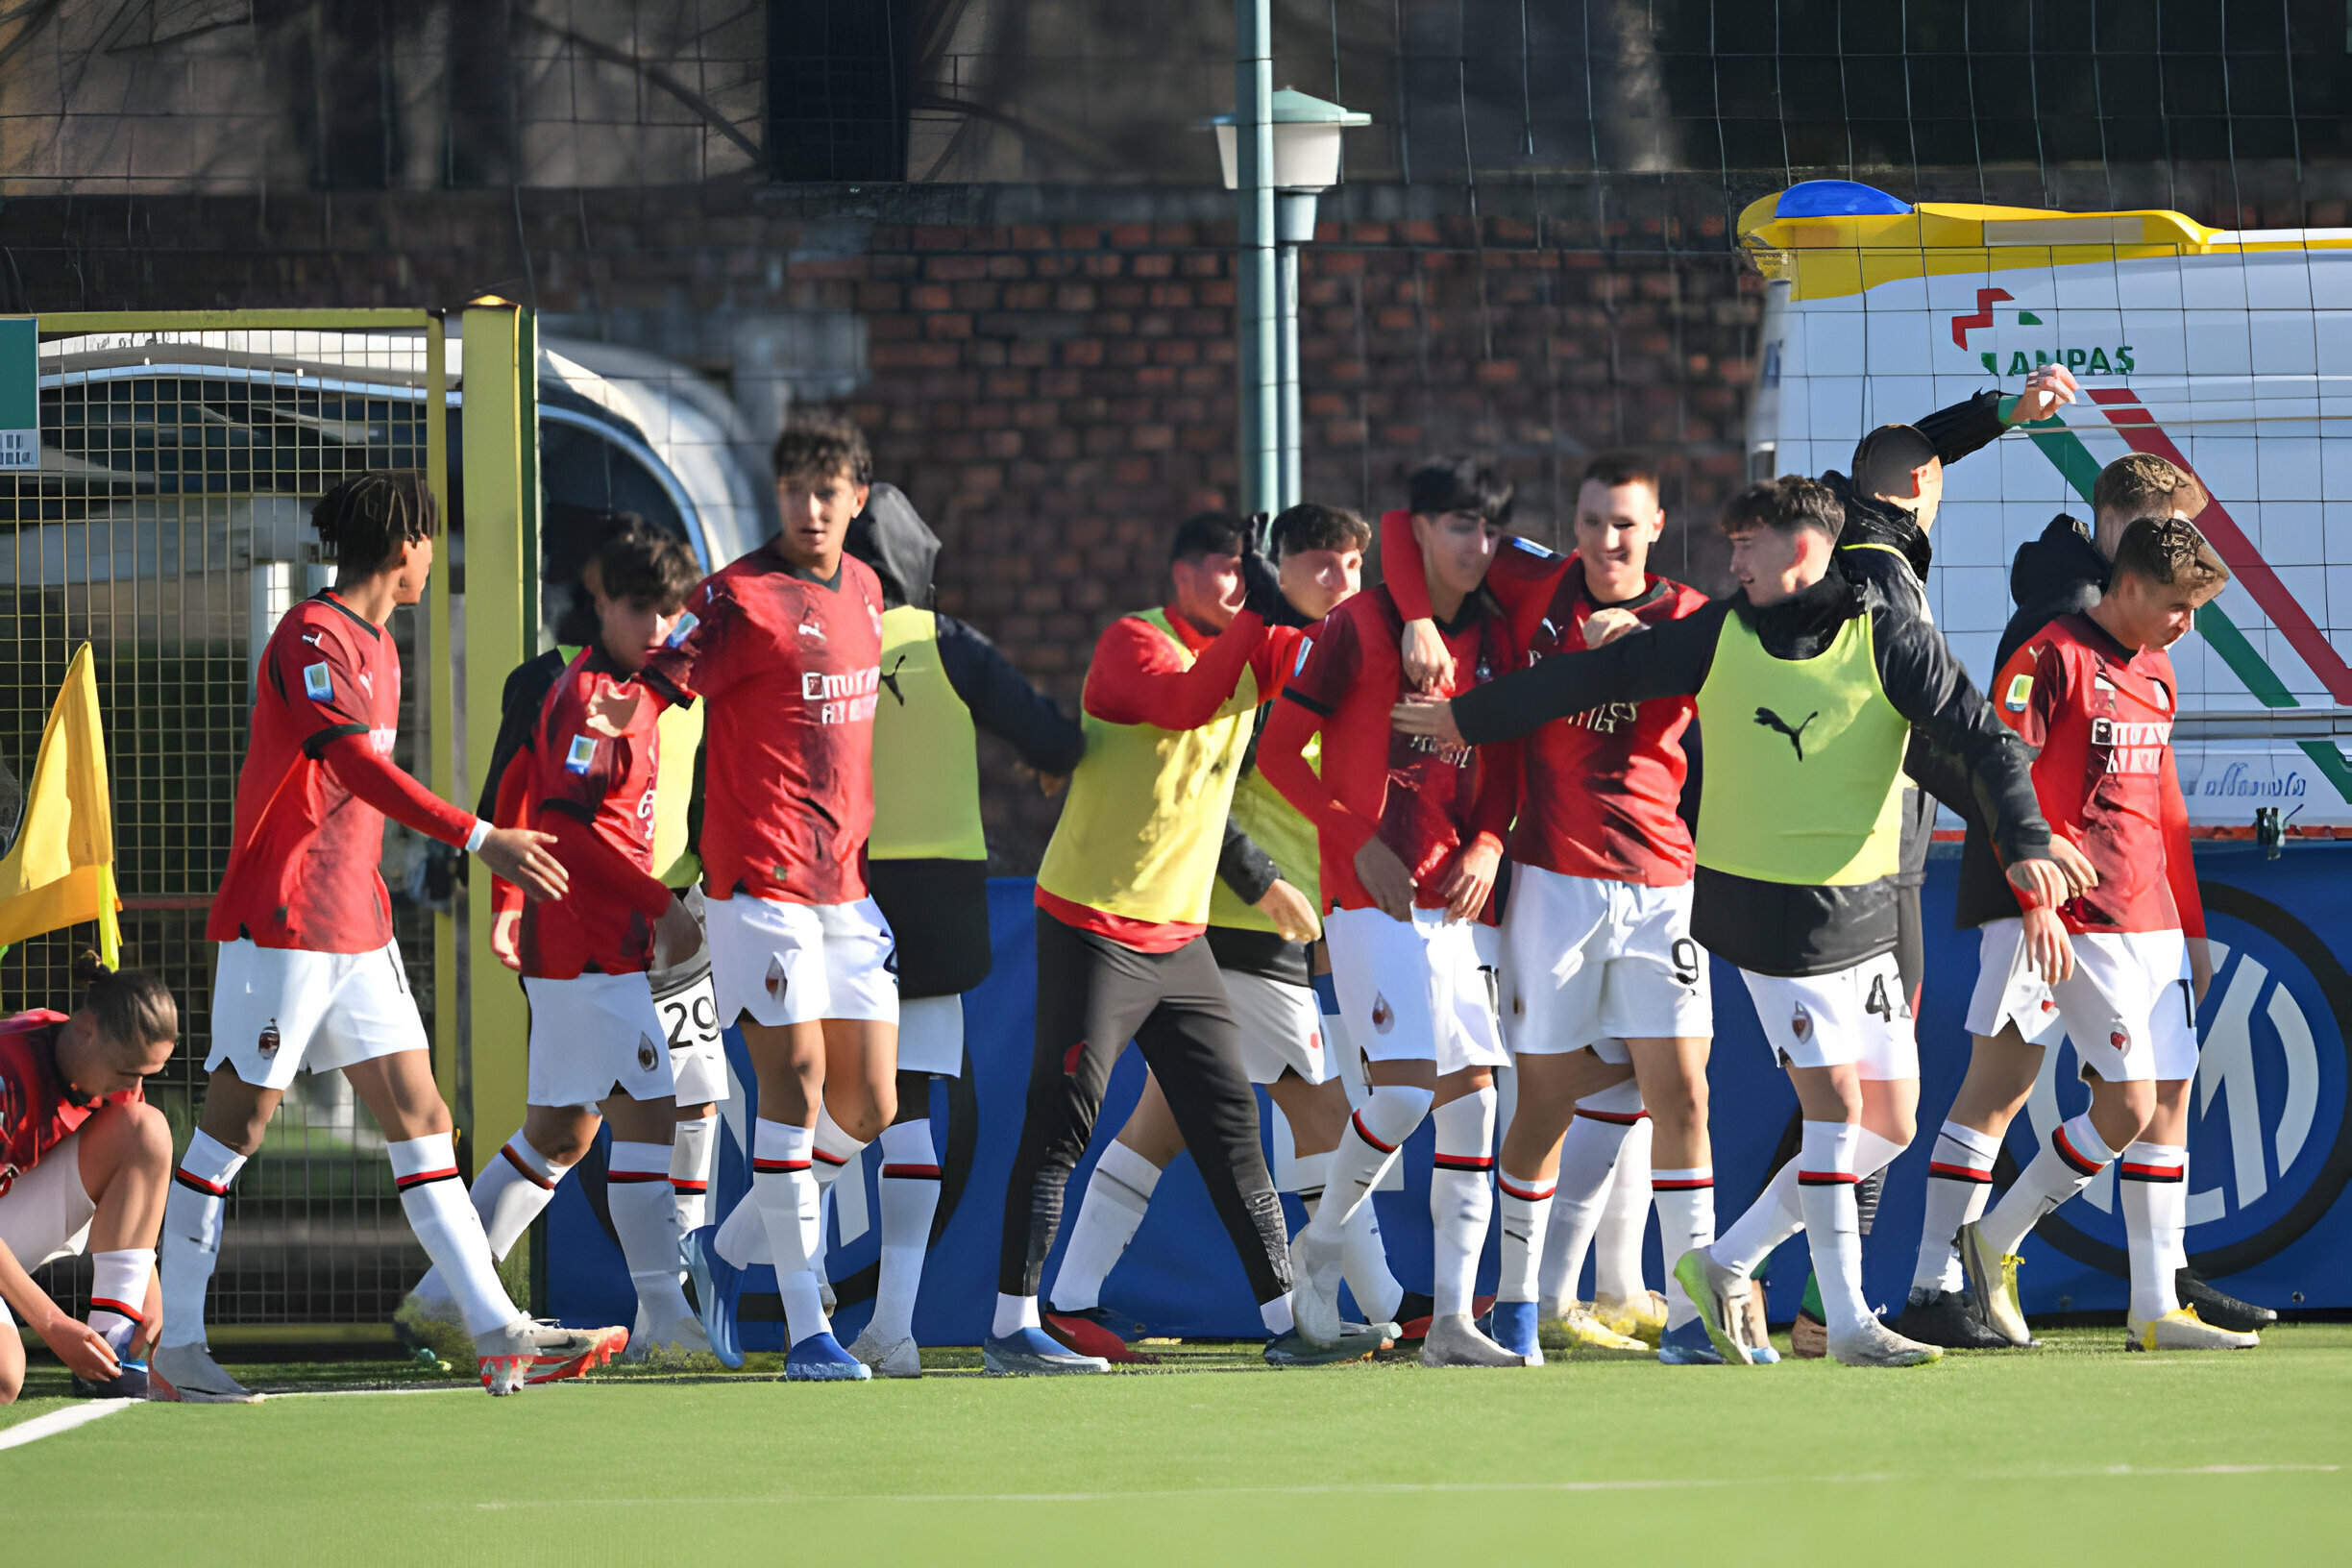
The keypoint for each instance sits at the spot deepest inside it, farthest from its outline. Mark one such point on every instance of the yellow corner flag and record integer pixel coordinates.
(60, 870)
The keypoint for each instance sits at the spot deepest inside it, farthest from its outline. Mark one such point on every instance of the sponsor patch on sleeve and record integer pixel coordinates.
(686, 624)
(2018, 693)
(581, 756)
(318, 683)
(1305, 647)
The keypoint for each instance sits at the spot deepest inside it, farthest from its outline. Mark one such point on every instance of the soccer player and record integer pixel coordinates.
(1808, 689)
(1409, 835)
(1598, 956)
(683, 994)
(927, 862)
(786, 644)
(598, 1048)
(2063, 571)
(310, 975)
(1122, 901)
(2095, 694)
(85, 1162)
(1261, 924)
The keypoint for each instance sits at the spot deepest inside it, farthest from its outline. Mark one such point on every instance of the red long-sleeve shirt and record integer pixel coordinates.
(2102, 717)
(1427, 803)
(1601, 791)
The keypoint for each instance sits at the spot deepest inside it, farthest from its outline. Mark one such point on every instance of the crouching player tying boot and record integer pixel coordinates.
(2094, 692)
(1808, 690)
(598, 1044)
(1409, 833)
(85, 1162)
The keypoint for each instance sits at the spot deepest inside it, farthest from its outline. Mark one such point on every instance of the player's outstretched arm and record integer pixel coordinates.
(1672, 659)
(1138, 676)
(1004, 703)
(1972, 425)
(515, 853)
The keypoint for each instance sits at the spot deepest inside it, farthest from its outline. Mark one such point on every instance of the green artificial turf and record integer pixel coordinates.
(2076, 1454)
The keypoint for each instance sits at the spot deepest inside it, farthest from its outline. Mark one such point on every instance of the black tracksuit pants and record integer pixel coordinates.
(1095, 996)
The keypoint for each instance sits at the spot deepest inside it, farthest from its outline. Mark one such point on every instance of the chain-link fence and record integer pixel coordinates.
(168, 528)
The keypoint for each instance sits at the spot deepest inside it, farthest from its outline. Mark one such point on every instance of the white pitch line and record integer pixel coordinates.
(1408, 1488)
(64, 1420)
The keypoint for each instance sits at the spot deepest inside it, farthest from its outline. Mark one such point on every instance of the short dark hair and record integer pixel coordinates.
(1309, 525)
(368, 519)
(1459, 484)
(814, 447)
(1208, 533)
(648, 565)
(1885, 459)
(1785, 505)
(2168, 551)
(131, 1007)
(1611, 469)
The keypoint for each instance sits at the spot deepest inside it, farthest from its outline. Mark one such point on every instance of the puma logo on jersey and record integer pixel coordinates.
(312, 638)
(368, 682)
(811, 631)
(581, 756)
(1796, 737)
(890, 679)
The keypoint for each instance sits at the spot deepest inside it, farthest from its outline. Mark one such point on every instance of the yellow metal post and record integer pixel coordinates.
(501, 512)
(441, 710)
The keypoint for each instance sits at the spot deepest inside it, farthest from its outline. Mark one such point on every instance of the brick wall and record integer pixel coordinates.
(1048, 373)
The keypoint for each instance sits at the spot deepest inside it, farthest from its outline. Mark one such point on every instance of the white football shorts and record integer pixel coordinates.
(1281, 1028)
(1860, 1015)
(1413, 990)
(45, 1215)
(1585, 958)
(277, 1011)
(779, 963)
(2128, 1007)
(593, 1036)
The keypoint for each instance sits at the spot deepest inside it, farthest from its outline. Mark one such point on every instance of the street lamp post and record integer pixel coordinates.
(1304, 161)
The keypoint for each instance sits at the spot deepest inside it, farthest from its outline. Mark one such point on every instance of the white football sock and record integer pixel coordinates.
(1959, 1181)
(192, 1234)
(118, 1294)
(1587, 1172)
(1624, 1219)
(514, 1189)
(1363, 1262)
(645, 1217)
(693, 1158)
(2154, 1186)
(1826, 1181)
(784, 1188)
(1461, 1198)
(910, 1201)
(836, 1156)
(1686, 1201)
(1116, 1196)
(1308, 1174)
(2075, 1153)
(1525, 1202)
(1773, 1218)
(1013, 1314)
(425, 1169)
(1369, 1145)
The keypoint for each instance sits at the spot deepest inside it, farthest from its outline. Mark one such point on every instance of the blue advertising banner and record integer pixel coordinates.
(2269, 1145)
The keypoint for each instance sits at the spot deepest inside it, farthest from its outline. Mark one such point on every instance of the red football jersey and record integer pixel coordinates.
(301, 863)
(36, 1115)
(1424, 801)
(2102, 717)
(791, 666)
(1600, 789)
(582, 784)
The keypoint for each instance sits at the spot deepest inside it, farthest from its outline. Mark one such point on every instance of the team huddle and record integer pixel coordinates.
(1363, 847)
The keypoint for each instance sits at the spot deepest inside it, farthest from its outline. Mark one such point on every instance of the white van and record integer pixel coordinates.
(2229, 352)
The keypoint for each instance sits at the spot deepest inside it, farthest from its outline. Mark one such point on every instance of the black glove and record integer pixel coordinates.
(1260, 584)
(2074, 523)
